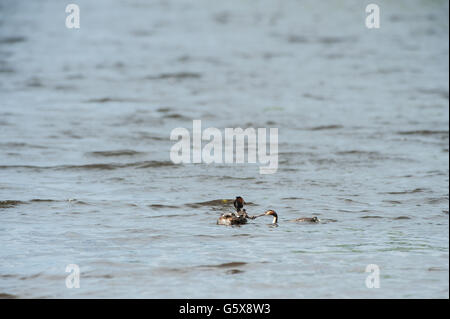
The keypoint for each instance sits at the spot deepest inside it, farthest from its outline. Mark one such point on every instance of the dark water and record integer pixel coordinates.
(86, 178)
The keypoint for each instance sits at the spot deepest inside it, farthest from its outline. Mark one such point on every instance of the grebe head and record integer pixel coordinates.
(272, 213)
(239, 203)
(315, 219)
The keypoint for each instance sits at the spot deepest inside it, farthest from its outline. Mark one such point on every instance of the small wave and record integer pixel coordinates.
(7, 296)
(416, 190)
(176, 116)
(34, 83)
(111, 99)
(177, 76)
(395, 202)
(222, 17)
(424, 132)
(336, 39)
(358, 152)
(13, 203)
(326, 127)
(76, 201)
(437, 200)
(346, 211)
(10, 203)
(314, 97)
(22, 145)
(226, 177)
(149, 164)
(141, 33)
(206, 59)
(145, 135)
(241, 235)
(234, 271)
(40, 274)
(205, 236)
(171, 215)
(371, 216)
(65, 87)
(348, 200)
(75, 77)
(105, 276)
(160, 206)
(401, 217)
(12, 40)
(115, 153)
(215, 202)
(168, 270)
(95, 166)
(381, 70)
(227, 265)
(322, 40)
(297, 39)
(328, 220)
(183, 270)
(89, 167)
(440, 92)
(6, 70)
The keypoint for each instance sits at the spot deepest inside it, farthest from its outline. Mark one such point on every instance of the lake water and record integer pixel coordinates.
(86, 177)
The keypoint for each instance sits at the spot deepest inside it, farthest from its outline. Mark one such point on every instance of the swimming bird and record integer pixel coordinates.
(229, 219)
(239, 203)
(270, 212)
(239, 217)
(307, 220)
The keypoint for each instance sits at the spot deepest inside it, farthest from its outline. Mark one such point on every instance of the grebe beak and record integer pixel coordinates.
(260, 215)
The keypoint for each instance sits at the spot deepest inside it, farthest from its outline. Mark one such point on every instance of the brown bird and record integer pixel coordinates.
(307, 220)
(270, 212)
(229, 219)
(239, 203)
(237, 218)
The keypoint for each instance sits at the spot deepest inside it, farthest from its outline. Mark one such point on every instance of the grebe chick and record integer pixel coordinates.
(307, 220)
(229, 219)
(239, 217)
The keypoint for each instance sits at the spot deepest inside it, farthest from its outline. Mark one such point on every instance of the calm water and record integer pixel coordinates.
(86, 178)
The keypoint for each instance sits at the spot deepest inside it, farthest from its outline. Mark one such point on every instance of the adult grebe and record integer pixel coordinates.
(239, 203)
(307, 220)
(270, 212)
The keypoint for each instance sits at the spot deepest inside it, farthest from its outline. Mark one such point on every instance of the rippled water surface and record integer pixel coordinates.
(86, 178)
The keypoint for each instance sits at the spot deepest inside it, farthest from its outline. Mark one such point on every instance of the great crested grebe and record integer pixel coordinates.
(307, 220)
(237, 218)
(239, 203)
(302, 219)
(270, 212)
(273, 213)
